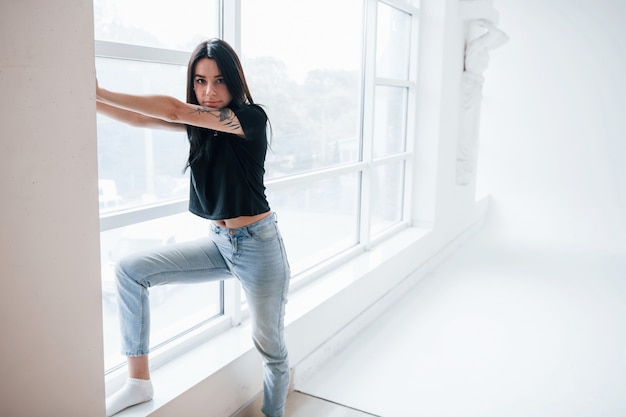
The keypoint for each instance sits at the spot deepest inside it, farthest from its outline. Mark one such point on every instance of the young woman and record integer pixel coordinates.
(228, 143)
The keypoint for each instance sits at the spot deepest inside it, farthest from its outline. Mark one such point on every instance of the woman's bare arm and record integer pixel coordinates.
(169, 109)
(136, 119)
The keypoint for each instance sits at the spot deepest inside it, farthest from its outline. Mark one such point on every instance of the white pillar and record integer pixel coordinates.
(50, 308)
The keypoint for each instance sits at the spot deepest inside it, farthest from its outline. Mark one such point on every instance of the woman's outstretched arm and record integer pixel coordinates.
(136, 119)
(171, 110)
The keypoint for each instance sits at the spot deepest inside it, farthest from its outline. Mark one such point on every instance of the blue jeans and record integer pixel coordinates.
(254, 254)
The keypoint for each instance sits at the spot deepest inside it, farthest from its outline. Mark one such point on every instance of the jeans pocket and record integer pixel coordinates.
(265, 230)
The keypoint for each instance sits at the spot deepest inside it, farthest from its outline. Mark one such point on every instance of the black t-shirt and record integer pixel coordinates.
(227, 181)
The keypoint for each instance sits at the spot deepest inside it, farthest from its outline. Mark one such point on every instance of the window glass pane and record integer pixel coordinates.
(392, 43)
(390, 120)
(174, 308)
(307, 78)
(181, 25)
(317, 220)
(139, 166)
(387, 193)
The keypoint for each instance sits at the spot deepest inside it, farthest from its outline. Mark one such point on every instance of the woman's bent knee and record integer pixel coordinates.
(130, 270)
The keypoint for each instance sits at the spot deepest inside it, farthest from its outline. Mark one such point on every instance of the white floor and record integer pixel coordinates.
(499, 329)
(302, 405)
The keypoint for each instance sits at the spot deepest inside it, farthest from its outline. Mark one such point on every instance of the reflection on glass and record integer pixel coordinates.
(307, 78)
(179, 25)
(174, 308)
(393, 42)
(317, 220)
(387, 196)
(139, 166)
(390, 120)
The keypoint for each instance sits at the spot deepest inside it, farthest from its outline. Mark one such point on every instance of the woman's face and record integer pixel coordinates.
(209, 85)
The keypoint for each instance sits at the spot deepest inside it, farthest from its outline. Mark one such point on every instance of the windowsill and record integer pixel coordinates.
(227, 369)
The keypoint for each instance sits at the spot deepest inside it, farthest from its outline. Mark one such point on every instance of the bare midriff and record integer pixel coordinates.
(241, 221)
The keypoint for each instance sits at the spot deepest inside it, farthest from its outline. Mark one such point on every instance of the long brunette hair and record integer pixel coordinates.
(230, 66)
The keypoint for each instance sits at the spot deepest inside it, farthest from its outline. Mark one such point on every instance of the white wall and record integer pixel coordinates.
(553, 131)
(438, 202)
(50, 308)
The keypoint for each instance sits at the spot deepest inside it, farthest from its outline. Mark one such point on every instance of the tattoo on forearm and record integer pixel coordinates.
(223, 115)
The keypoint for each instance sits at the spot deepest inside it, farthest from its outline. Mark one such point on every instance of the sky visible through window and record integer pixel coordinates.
(317, 22)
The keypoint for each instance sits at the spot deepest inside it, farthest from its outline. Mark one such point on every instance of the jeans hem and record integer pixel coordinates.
(134, 354)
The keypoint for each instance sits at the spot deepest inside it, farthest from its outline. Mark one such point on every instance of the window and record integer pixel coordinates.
(391, 106)
(179, 25)
(140, 166)
(338, 87)
(310, 83)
